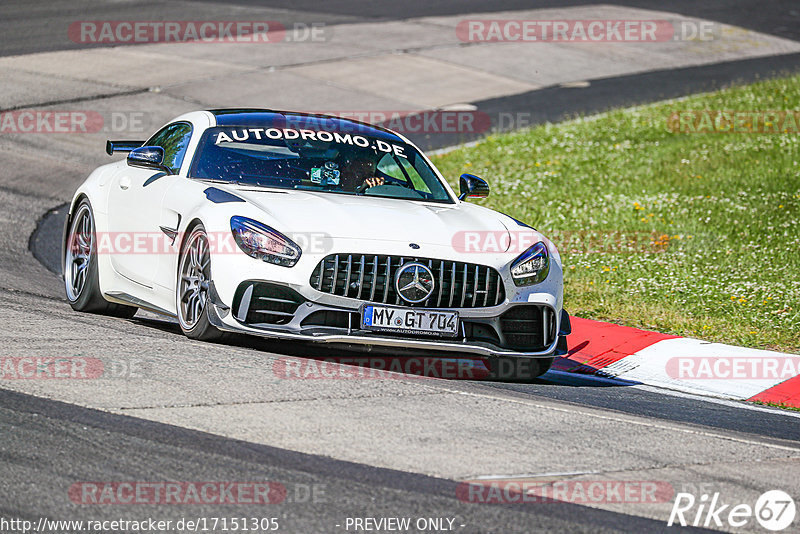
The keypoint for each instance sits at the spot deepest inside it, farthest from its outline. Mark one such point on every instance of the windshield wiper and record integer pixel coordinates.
(231, 182)
(214, 180)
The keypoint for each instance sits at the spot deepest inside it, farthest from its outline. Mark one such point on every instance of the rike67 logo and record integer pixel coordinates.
(774, 510)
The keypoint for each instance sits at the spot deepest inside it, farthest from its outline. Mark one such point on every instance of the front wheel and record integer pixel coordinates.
(194, 277)
(81, 279)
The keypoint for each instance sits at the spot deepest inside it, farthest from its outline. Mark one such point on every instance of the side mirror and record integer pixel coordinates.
(148, 157)
(121, 146)
(472, 186)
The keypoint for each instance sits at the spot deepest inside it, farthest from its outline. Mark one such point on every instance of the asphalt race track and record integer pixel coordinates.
(181, 410)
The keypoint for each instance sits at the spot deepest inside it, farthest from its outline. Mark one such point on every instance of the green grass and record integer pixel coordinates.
(779, 405)
(728, 206)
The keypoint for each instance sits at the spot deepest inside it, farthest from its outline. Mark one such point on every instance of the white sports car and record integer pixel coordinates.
(309, 227)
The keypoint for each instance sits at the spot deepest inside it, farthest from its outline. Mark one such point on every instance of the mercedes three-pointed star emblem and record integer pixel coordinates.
(414, 282)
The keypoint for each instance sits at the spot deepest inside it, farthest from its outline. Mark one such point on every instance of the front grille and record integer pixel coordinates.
(265, 303)
(371, 278)
(528, 327)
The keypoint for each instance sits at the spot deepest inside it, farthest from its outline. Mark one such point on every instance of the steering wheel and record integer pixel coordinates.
(361, 189)
(388, 180)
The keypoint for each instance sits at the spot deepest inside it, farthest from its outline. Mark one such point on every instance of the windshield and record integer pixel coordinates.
(316, 160)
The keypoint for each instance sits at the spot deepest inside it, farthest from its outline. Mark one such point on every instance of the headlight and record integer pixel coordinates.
(262, 242)
(532, 266)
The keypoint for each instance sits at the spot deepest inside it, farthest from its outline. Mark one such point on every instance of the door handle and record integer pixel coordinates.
(124, 182)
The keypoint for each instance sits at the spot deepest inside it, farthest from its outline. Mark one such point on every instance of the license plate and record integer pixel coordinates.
(410, 320)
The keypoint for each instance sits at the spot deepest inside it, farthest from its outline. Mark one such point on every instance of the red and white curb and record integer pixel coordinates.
(683, 364)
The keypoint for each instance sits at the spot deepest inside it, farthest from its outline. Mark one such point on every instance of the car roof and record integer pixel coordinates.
(292, 119)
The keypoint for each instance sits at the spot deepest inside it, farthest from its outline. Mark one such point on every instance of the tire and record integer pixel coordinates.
(81, 278)
(521, 370)
(191, 289)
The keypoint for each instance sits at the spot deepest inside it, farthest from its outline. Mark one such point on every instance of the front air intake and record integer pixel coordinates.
(529, 327)
(264, 303)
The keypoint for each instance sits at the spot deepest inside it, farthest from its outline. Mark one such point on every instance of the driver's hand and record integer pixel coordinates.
(373, 181)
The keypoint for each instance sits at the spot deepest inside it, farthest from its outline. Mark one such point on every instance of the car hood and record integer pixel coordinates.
(372, 218)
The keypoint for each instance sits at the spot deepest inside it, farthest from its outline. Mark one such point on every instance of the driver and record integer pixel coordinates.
(358, 172)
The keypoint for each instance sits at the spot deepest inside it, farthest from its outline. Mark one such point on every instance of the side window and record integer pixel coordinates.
(391, 166)
(420, 174)
(174, 139)
(387, 165)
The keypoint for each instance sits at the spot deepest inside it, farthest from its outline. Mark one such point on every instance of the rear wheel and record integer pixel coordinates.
(81, 279)
(194, 276)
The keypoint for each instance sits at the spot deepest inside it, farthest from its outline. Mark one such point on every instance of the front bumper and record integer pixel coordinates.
(473, 340)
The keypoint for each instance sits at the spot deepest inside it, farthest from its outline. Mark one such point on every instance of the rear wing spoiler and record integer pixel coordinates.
(121, 146)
